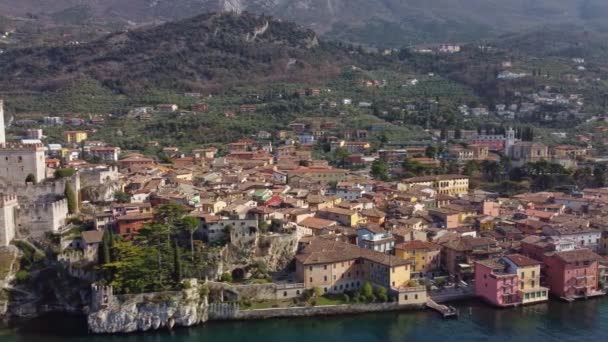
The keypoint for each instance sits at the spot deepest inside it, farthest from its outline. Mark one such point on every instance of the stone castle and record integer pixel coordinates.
(30, 205)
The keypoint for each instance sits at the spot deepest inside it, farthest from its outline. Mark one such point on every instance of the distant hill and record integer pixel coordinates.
(377, 22)
(196, 53)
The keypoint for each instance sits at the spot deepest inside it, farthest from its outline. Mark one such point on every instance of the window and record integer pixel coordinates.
(311, 279)
(325, 278)
(405, 297)
(285, 294)
(298, 292)
(415, 296)
(310, 268)
(325, 267)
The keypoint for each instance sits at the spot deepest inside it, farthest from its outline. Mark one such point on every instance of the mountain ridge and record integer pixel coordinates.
(373, 22)
(197, 53)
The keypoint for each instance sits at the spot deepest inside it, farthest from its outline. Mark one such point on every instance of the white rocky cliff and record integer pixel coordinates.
(132, 313)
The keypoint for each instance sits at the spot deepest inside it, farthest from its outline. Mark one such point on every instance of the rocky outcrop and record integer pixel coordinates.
(276, 251)
(127, 314)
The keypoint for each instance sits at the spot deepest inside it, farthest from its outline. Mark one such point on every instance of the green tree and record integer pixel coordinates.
(64, 173)
(157, 236)
(430, 152)
(71, 198)
(130, 272)
(190, 225)
(382, 294)
(380, 170)
(339, 156)
(226, 277)
(367, 291)
(105, 247)
(177, 264)
(122, 197)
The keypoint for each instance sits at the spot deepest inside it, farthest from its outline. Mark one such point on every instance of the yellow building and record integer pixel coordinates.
(75, 136)
(425, 255)
(335, 267)
(444, 184)
(528, 273)
(349, 218)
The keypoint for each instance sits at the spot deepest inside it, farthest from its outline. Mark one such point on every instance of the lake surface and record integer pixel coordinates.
(553, 321)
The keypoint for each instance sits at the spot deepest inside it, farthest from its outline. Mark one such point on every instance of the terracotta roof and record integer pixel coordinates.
(416, 244)
(317, 223)
(521, 260)
(136, 216)
(92, 236)
(324, 251)
(338, 211)
(577, 255)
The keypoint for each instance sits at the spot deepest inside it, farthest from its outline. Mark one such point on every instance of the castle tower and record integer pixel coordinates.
(2, 134)
(8, 206)
(509, 141)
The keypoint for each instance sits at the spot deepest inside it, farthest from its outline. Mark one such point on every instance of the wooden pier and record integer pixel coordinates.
(444, 310)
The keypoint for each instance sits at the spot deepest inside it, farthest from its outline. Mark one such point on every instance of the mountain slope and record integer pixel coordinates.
(200, 52)
(378, 22)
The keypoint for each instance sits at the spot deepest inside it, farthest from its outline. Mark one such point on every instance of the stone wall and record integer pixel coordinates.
(329, 310)
(32, 192)
(33, 220)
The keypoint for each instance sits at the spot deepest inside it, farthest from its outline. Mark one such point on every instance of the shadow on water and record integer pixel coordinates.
(552, 321)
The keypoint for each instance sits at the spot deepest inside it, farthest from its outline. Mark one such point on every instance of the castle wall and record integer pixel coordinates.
(32, 192)
(35, 220)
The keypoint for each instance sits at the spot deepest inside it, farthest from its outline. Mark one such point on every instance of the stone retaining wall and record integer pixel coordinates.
(328, 310)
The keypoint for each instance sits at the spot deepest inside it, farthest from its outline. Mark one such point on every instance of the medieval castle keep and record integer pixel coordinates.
(35, 207)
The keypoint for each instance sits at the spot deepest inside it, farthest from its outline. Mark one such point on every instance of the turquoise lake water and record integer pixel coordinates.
(553, 321)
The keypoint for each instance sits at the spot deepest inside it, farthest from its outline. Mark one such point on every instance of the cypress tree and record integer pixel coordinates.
(177, 264)
(71, 197)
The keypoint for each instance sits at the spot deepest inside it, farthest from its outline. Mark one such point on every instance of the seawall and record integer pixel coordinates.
(326, 310)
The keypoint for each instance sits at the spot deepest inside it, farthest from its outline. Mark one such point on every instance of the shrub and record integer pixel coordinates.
(226, 277)
(63, 173)
(382, 294)
(367, 292)
(204, 291)
(345, 298)
(22, 276)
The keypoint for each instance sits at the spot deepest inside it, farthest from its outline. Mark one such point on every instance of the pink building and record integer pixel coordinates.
(495, 285)
(573, 274)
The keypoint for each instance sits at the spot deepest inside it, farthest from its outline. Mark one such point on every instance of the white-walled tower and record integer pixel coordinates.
(2, 133)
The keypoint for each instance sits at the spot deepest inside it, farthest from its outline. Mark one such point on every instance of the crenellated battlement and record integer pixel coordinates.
(8, 200)
(18, 147)
(102, 296)
(32, 192)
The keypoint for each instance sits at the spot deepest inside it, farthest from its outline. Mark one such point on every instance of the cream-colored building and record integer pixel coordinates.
(335, 267)
(528, 273)
(444, 184)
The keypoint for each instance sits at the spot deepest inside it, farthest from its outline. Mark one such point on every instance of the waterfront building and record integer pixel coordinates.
(335, 267)
(426, 256)
(528, 273)
(573, 274)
